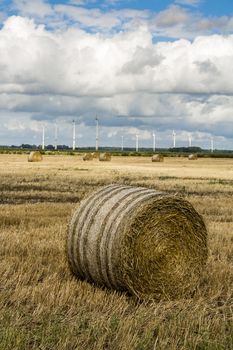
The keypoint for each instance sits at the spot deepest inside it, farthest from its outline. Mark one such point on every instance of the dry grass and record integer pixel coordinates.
(43, 307)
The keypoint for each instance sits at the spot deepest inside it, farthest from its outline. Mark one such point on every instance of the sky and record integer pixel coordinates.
(140, 66)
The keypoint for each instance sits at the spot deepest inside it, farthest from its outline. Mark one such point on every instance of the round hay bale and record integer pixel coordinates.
(146, 242)
(35, 156)
(87, 156)
(95, 155)
(157, 158)
(105, 157)
(193, 157)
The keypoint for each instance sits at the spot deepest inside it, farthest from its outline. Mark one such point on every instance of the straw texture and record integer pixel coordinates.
(88, 156)
(157, 158)
(95, 155)
(193, 157)
(35, 156)
(105, 157)
(140, 240)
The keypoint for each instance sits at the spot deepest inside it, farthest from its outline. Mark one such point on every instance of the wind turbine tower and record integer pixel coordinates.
(122, 143)
(43, 138)
(97, 134)
(190, 140)
(56, 136)
(153, 135)
(212, 144)
(174, 138)
(74, 136)
(136, 143)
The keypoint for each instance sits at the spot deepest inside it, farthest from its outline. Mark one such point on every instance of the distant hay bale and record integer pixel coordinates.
(88, 156)
(157, 158)
(95, 155)
(105, 157)
(35, 156)
(193, 157)
(146, 242)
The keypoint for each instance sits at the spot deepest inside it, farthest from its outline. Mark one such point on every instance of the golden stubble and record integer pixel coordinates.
(42, 306)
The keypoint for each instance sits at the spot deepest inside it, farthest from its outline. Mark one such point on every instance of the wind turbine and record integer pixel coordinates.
(97, 134)
(122, 143)
(136, 143)
(174, 138)
(153, 135)
(212, 144)
(190, 140)
(56, 137)
(74, 136)
(43, 138)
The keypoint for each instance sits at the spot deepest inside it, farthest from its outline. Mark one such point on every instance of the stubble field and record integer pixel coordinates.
(42, 306)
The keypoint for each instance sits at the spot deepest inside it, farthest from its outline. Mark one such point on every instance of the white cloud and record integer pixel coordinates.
(76, 63)
(2, 16)
(180, 22)
(172, 16)
(78, 2)
(93, 18)
(182, 84)
(175, 21)
(188, 2)
(142, 134)
(37, 8)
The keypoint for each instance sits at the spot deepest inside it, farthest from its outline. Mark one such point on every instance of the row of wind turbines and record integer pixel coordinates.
(73, 136)
(174, 141)
(122, 139)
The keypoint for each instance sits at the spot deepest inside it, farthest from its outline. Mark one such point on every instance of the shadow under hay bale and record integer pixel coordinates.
(35, 156)
(193, 157)
(88, 156)
(157, 158)
(105, 157)
(146, 242)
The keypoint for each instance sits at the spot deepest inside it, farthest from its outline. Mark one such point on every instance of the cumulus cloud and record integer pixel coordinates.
(76, 63)
(37, 8)
(127, 78)
(142, 58)
(175, 21)
(172, 16)
(180, 22)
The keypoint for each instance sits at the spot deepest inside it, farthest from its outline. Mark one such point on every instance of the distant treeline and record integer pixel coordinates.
(167, 152)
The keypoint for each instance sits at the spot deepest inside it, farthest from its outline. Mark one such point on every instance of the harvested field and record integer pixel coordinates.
(42, 306)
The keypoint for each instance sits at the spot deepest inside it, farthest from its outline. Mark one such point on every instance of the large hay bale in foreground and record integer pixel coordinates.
(105, 157)
(35, 156)
(146, 242)
(193, 157)
(87, 156)
(157, 158)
